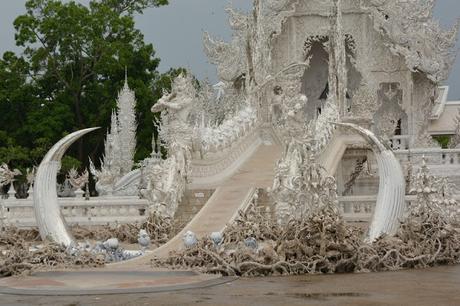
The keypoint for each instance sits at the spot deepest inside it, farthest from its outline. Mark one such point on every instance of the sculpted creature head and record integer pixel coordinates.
(183, 84)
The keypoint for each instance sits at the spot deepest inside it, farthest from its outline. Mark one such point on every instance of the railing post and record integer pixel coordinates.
(454, 158)
(11, 192)
(30, 192)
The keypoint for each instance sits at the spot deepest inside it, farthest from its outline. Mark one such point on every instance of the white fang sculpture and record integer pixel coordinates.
(50, 221)
(391, 203)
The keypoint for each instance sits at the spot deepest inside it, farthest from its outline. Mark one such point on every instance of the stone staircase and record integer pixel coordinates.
(225, 202)
(191, 204)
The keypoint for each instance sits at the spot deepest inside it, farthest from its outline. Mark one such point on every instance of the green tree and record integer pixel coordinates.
(17, 99)
(73, 66)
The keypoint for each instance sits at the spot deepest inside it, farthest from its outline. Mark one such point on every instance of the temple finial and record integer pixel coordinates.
(126, 75)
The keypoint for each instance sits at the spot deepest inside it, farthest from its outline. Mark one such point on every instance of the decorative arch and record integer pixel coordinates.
(315, 81)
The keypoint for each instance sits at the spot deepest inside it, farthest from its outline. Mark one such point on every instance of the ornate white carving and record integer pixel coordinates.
(412, 33)
(323, 126)
(301, 185)
(30, 177)
(6, 175)
(433, 193)
(78, 180)
(127, 127)
(165, 180)
(214, 129)
(215, 138)
(227, 57)
(364, 103)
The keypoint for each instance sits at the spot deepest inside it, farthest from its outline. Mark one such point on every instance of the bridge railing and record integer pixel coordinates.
(118, 210)
(361, 208)
(435, 156)
(96, 211)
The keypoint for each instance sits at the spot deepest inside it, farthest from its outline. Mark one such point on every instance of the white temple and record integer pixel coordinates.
(293, 69)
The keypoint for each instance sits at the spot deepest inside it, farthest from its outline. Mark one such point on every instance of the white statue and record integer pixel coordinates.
(166, 180)
(190, 239)
(175, 108)
(30, 177)
(78, 181)
(7, 177)
(143, 239)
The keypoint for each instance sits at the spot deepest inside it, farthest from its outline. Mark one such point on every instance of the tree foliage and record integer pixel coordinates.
(72, 67)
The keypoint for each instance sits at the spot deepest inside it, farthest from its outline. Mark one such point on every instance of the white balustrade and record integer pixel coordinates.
(96, 211)
(361, 208)
(111, 210)
(357, 208)
(440, 160)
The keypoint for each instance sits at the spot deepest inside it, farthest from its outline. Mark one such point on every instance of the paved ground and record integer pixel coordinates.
(100, 282)
(438, 286)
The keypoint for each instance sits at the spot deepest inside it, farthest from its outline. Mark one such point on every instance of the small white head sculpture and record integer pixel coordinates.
(189, 239)
(111, 244)
(251, 243)
(216, 238)
(143, 239)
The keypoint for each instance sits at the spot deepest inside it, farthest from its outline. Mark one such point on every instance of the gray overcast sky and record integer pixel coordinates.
(176, 31)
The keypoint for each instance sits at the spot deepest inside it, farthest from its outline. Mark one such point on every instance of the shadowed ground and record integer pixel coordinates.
(436, 286)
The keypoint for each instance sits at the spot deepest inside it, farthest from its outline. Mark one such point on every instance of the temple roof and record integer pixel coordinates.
(407, 28)
(410, 31)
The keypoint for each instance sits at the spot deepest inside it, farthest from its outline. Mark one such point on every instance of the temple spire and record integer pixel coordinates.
(126, 77)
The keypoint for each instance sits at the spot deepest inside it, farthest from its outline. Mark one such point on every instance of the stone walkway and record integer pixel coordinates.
(437, 286)
(100, 282)
(257, 171)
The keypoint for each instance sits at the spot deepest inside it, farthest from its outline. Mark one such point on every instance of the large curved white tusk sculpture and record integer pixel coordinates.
(391, 204)
(50, 221)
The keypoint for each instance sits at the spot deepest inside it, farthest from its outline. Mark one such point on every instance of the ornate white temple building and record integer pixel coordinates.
(382, 62)
(293, 69)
